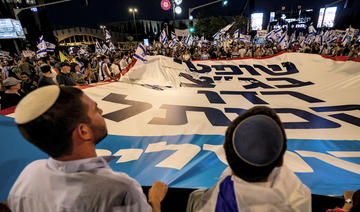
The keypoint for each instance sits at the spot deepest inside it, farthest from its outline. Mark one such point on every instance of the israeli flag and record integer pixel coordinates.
(189, 41)
(98, 49)
(173, 36)
(236, 35)
(50, 47)
(226, 28)
(105, 49)
(141, 53)
(245, 38)
(293, 37)
(82, 51)
(216, 36)
(107, 36)
(111, 46)
(163, 37)
(311, 29)
(283, 42)
(42, 48)
(349, 34)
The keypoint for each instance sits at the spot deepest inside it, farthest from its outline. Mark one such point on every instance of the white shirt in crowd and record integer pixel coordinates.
(80, 185)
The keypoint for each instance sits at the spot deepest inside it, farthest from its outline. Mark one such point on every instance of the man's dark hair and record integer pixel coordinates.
(52, 131)
(45, 68)
(103, 57)
(240, 168)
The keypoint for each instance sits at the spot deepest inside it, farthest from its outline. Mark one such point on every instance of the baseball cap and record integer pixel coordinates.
(11, 81)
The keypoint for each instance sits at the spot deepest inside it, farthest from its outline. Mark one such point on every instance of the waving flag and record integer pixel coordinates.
(189, 41)
(107, 36)
(98, 49)
(141, 53)
(349, 34)
(105, 49)
(236, 35)
(111, 46)
(174, 36)
(163, 37)
(311, 29)
(293, 37)
(50, 47)
(42, 48)
(283, 42)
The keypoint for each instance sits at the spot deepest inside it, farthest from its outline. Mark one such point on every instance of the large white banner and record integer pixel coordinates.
(167, 118)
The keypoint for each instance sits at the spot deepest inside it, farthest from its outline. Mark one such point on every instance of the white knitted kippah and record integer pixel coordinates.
(36, 103)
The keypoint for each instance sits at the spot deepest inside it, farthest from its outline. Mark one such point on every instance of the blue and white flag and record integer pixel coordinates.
(189, 41)
(349, 34)
(236, 35)
(107, 36)
(82, 51)
(111, 46)
(293, 37)
(141, 53)
(98, 49)
(275, 35)
(173, 36)
(42, 48)
(283, 42)
(50, 47)
(245, 38)
(105, 49)
(226, 28)
(216, 36)
(163, 37)
(311, 29)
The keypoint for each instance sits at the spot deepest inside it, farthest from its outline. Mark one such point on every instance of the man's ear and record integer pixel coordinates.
(84, 132)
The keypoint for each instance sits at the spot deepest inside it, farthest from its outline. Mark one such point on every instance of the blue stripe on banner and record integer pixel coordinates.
(315, 161)
(226, 201)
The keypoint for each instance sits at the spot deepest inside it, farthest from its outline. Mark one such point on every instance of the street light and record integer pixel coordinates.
(133, 11)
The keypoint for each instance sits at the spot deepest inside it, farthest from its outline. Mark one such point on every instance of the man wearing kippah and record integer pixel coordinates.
(66, 124)
(257, 179)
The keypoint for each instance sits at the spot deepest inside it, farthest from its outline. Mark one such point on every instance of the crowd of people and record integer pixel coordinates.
(21, 75)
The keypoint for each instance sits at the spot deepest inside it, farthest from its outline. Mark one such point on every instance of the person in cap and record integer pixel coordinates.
(256, 179)
(66, 124)
(12, 94)
(46, 78)
(64, 78)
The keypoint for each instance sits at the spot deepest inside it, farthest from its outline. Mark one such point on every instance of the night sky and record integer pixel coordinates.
(75, 13)
(106, 11)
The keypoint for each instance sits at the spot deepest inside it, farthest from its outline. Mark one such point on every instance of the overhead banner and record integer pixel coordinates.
(167, 119)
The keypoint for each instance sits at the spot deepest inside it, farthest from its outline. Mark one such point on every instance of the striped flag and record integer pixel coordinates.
(163, 37)
(312, 29)
(107, 36)
(42, 48)
(236, 35)
(98, 49)
(141, 53)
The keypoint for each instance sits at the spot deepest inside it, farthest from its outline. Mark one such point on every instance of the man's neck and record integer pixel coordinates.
(80, 152)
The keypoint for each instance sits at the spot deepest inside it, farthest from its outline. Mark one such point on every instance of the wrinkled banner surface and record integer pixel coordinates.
(167, 118)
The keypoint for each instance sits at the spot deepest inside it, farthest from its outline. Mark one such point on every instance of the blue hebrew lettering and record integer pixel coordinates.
(120, 115)
(176, 115)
